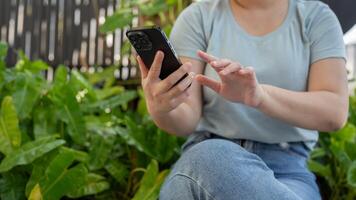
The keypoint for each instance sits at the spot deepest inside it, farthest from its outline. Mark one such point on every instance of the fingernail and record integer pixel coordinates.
(213, 63)
(192, 75)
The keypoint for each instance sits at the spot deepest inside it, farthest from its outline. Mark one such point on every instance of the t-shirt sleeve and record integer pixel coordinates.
(326, 37)
(187, 35)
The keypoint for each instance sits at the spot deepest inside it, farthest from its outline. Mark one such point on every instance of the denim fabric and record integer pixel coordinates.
(216, 168)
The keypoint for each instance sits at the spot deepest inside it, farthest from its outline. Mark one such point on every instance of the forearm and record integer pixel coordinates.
(180, 121)
(317, 110)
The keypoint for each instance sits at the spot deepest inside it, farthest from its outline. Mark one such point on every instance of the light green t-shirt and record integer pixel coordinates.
(282, 58)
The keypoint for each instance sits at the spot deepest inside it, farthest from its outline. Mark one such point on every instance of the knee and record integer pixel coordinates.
(210, 157)
(181, 187)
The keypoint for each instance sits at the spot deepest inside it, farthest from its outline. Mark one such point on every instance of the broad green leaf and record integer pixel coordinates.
(58, 185)
(347, 133)
(120, 19)
(141, 107)
(340, 155)
(100, 148)
(44, 120)
(69, 112)
(36, 193)
(108, 92)
(118, 170)
(79, 84)
(10, 135)
(39, 166)
(103, 76)
(153, 8)
(78, 155)
(12, 186)
(351, 175)
(120, 99)
(151, 183)
(320, 169)
(60, 76)
(158, 144)
(317, 152)
(27, 92)
(3, 51)
(25, 64)
(29, 152)
(59, 179)
(94, 184)
(350, 149)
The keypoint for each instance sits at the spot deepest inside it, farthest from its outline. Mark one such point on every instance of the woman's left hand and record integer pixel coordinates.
(238, 84)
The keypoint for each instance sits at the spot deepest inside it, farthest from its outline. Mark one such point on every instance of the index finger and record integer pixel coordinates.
(206, 57)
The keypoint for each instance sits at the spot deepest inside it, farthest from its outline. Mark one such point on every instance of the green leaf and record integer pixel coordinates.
(100, 148)
(347, 133)
(39, 166)
(44, 120)
(60, 76)
(118, 170)
(108, 92)
(29, 152)
(24, 64)
(3, 51)
(79, 84)
(141, 108)
(317, 153)
(12, 186)
(158, 144)
(111, 103)
(350, 149)
(151, 183)
(120, 19)
(36, 193)
(351, 175)
(320, 169)
(68, 110)
(94, 184)
(10, 135)
(59, 179)
(340, 155)
(153, 8)
(27, 92)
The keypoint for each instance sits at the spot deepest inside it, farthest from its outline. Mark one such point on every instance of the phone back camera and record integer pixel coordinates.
(140, 41)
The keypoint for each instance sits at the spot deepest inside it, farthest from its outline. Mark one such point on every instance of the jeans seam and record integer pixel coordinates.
(193, 180)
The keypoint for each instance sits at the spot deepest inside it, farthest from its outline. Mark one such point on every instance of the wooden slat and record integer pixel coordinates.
(45, 28)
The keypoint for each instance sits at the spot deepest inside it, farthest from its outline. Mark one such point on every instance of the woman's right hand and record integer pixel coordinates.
(163, 96)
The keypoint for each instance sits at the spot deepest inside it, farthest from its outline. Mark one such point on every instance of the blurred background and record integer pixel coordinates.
(73, 119)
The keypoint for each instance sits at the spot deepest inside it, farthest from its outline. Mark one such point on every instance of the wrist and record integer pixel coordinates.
(264, 96)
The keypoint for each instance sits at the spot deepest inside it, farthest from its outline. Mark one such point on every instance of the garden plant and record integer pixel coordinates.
(83, 136)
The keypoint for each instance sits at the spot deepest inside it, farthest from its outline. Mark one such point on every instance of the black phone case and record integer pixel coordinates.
(157, 40)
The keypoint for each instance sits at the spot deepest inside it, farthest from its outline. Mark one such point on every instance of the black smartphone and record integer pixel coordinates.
(147, 41)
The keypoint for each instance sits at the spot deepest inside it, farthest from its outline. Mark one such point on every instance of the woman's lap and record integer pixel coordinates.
(221, 169)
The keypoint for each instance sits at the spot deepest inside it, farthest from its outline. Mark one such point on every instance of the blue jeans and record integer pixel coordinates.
(216, 168)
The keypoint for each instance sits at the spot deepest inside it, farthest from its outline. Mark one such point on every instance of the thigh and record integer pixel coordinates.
(289, 164)
(221, 169)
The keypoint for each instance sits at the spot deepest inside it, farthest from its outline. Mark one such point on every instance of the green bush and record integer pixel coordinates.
(68, 138)
(334, 160)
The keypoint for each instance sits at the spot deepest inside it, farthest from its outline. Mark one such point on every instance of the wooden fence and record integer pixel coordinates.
(64, 32)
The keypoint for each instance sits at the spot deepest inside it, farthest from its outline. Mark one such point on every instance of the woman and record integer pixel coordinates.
(250, 128)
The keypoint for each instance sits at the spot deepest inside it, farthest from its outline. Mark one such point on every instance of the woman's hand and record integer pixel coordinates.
(163, 96)
(238, 84)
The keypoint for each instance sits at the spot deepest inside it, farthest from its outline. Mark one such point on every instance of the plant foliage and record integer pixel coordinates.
(334, 160)
(70, 138)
